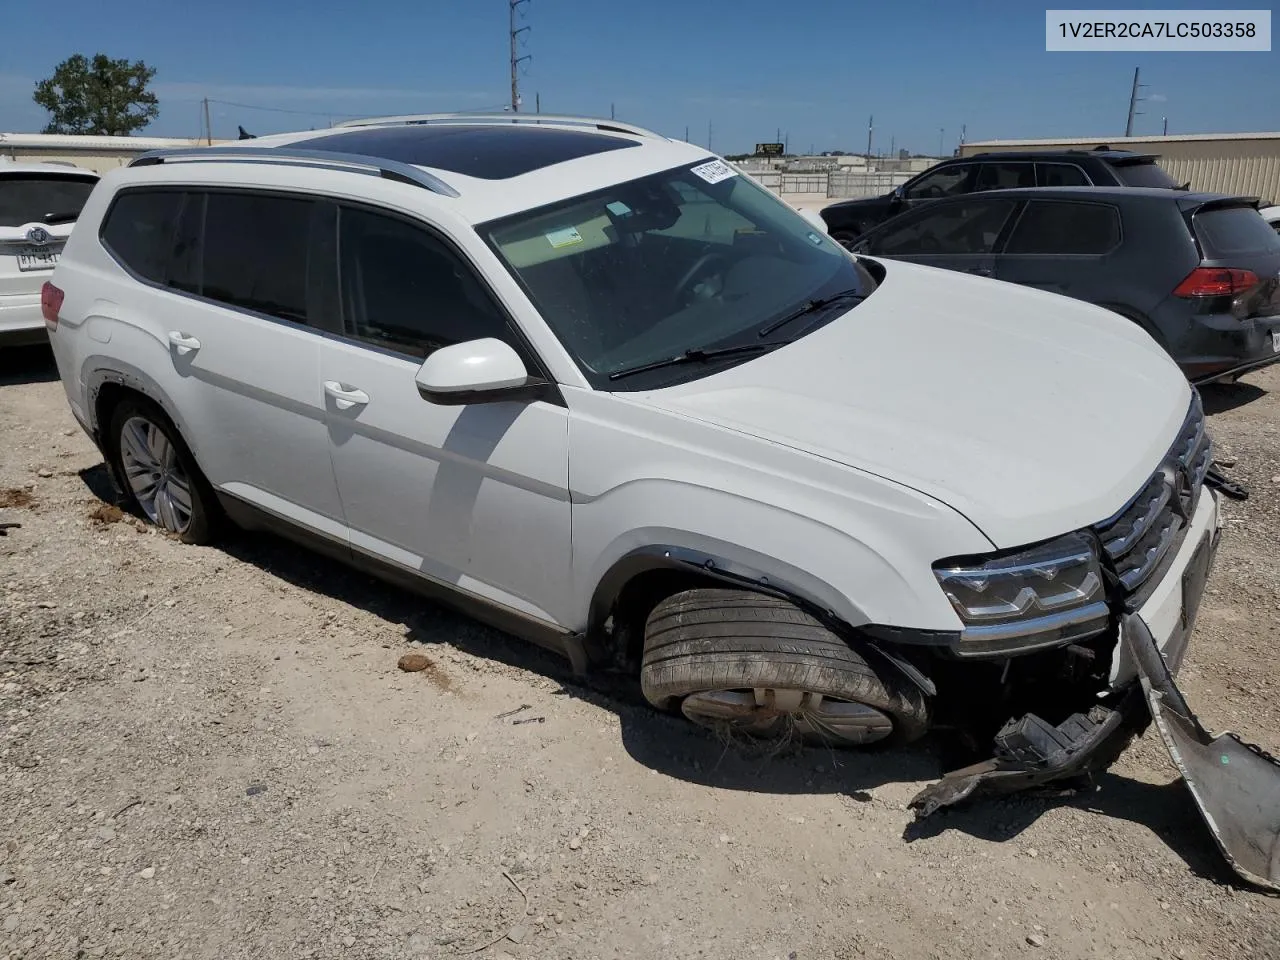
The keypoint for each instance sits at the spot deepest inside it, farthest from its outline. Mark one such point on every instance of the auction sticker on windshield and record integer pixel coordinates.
(713, 171)
(565, 237)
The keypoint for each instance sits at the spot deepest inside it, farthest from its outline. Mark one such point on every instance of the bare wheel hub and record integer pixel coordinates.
(772, 712)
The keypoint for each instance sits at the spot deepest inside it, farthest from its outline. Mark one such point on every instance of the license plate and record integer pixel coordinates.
(38, 258)
(1193, 581)
(1275, 341)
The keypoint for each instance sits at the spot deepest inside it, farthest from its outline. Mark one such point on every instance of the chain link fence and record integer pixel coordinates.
(839, 184)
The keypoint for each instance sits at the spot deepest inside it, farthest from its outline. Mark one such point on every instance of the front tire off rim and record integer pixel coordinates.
(772, 712)
(155, 475)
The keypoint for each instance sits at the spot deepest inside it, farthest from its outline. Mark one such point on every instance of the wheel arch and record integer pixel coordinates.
(109, 380)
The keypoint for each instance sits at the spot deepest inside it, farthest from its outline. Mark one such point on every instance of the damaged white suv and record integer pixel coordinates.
(601, 390)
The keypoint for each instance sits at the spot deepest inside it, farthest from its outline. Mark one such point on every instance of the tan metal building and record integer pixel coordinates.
(95, 153)
(1247, 163)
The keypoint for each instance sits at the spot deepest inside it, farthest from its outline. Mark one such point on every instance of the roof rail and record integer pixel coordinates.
(549, 119)
(300, 157)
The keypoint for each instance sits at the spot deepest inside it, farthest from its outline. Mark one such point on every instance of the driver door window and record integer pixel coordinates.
(405, 290)
(957, 228)
(948, 182)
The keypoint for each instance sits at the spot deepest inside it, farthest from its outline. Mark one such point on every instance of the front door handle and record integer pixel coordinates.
(981, 271)
(182, 343)
(344, 397)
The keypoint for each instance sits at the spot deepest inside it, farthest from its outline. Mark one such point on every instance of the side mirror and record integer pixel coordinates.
(898, 194)
(477, 371)
(814, 218)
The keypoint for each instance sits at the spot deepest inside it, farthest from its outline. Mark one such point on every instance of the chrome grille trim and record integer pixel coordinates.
(1141, 535)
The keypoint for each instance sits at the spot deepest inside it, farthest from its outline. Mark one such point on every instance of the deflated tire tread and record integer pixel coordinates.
(716, 639)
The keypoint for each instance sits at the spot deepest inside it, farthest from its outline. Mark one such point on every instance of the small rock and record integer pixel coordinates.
(518, 934)
(575, 843)
(1033, 853)
(146, 873)
(46, 473)
(1036, 939)
(46, 605)
(255, 789)
(313, 750)
(348, 942)
(106, 833)
(650, 880)
(413, 662)
(11, 923)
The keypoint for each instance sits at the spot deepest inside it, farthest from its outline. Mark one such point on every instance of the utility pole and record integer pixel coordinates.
(1165, 123)
(516, 60)
(1133, 103)
(208, 127)
(611, 116)
(893, 153)
(686, 133)
(537, 102)
(708, 134)
(963, 128)
(871, 121)
(941, 131)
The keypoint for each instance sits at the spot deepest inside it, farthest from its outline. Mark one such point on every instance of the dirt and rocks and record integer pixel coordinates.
(214, 753)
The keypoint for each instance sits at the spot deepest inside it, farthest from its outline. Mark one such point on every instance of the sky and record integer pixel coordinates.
(816, 70)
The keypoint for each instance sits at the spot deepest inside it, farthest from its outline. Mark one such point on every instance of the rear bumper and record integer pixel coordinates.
(1221, 345)
(21, 320)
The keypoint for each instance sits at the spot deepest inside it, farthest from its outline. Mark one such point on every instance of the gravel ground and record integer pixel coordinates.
(211, 753)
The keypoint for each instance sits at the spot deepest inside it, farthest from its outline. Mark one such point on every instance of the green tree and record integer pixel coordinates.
(102, 96)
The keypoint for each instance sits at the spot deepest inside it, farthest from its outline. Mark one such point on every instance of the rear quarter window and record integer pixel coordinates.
(1234, 230)
(1065, 227)
(139, 229)
(36, 198)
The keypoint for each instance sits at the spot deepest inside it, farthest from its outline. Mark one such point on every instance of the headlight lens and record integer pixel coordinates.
(1044, 596)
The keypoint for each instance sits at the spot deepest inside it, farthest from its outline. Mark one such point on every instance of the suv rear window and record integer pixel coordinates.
(39, 197)
(1146, 173)
(1228, 231)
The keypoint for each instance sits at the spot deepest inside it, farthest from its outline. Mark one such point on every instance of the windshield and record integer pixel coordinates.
(691, 259)
(31, 198)
(1146, 173)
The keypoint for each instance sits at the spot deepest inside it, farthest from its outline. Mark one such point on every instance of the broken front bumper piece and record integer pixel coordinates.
(1236, 786)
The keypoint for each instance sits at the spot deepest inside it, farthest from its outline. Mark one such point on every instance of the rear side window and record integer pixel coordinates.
(139, 230)
(255, 253)
(40, 198)
(1229, 231)
(1061, 175)
(1147, 174)
(1003, 176)
(1064, 227)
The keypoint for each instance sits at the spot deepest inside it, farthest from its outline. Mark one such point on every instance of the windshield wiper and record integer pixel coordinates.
(810, 307)
(696, 355)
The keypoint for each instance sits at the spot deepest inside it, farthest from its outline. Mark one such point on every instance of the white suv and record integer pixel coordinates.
(39, 203)
(601, 390)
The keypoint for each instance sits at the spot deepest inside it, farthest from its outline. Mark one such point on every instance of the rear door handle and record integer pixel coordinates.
(182, 343)
(344, 398)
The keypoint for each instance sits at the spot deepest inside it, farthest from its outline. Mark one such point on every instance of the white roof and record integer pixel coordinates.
(52, 169)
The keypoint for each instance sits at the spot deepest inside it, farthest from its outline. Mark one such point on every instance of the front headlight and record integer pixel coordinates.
(1040, 597)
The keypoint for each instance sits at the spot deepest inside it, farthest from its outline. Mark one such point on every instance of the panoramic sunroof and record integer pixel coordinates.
(487, 151)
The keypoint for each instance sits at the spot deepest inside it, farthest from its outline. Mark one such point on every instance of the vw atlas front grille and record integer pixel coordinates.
(1151, 526)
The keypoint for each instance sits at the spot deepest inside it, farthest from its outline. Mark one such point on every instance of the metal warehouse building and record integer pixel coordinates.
(1247, 163)
(96, 153)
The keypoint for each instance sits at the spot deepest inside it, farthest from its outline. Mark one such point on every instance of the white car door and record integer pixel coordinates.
(474, 496)
(242, 323)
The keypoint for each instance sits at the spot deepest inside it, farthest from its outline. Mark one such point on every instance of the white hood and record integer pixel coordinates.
(1030, 413)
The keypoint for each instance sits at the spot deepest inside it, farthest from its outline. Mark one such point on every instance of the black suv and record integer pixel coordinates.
(1102, 166)
(1199, 272)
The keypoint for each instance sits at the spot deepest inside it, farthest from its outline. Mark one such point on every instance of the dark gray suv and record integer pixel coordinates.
(1200, 272)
